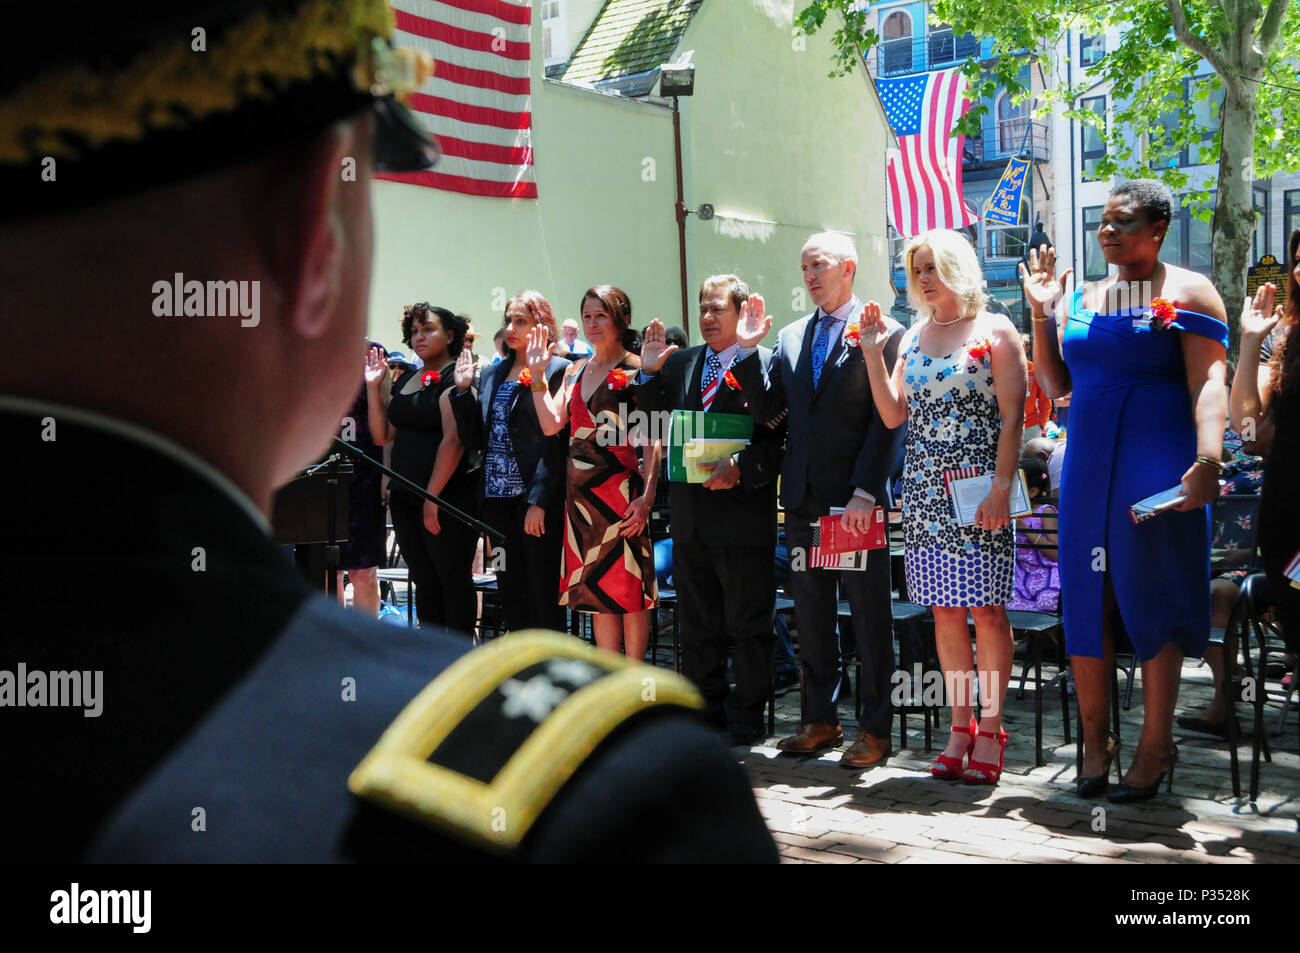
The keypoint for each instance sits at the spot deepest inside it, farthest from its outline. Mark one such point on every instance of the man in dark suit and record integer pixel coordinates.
(528, 580)
(222, 711)
(723, 530)
(838, 453)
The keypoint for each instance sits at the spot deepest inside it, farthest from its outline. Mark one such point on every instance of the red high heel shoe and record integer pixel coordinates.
(946, 768)
(986, 772)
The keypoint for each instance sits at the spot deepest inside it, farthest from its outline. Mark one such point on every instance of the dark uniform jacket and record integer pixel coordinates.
(236, 704)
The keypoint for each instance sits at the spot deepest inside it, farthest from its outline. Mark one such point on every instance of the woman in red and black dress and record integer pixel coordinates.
(608, 559)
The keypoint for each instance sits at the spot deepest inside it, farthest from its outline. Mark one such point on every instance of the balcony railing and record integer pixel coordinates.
(910, 55)
(1004, 138)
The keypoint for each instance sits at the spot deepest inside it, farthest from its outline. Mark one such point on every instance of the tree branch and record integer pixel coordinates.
(1192, 41)
(1271, 25)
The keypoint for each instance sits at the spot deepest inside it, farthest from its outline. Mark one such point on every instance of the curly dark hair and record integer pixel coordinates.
(455, 326)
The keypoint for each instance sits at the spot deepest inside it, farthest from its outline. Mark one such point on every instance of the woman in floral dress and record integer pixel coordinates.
(959, 383)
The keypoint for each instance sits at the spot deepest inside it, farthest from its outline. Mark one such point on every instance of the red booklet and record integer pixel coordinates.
(834, 538)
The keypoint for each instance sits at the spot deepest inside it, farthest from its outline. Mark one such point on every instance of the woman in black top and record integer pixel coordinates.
(414, 415)
(1265, 410)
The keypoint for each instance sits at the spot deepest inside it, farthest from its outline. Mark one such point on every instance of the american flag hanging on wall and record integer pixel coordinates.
(478, 102)
(924, 175)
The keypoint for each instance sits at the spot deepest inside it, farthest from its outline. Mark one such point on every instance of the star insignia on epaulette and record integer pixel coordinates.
(488, 744)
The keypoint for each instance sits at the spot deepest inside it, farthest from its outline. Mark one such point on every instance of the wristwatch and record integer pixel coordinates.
(538, 385)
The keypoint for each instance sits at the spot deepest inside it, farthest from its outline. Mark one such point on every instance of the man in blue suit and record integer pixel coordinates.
(838, 453)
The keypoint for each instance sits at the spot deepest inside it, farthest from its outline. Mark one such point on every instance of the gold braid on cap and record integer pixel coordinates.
(172, 85)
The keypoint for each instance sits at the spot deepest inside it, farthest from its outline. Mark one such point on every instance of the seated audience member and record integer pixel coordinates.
(1037, 581)
(1052, 452)
(1242, 474)
(675, 335)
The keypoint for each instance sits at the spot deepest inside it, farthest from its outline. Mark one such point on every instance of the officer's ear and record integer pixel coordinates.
(313, 237)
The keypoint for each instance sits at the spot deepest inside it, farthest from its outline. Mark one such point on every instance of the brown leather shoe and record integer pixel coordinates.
(866, 752)
(812, 736)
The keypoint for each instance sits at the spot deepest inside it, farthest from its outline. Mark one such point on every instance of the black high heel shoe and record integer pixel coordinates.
(1125, 793)
(1100, 784)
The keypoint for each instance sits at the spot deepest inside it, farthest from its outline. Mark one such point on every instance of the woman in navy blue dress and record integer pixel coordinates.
(1144, 352)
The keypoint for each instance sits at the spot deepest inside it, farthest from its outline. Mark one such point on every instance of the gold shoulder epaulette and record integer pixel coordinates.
(488, 744)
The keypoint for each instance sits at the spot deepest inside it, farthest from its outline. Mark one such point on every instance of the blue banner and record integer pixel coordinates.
(1004, 203)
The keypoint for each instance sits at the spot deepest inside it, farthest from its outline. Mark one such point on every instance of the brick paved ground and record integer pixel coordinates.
(822, 813)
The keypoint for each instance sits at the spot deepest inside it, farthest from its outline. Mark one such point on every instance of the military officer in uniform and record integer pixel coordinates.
(187, 211)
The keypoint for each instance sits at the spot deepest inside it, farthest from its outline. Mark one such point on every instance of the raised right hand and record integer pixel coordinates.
(376, 367)
(464, 372)
(873, 332)
(1042, 288)
(655, 348)
(1258, 317)
(538, 354)
(754, 322)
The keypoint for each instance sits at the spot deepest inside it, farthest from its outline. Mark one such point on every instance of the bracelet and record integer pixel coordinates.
(1211, 462)
(537, 386)
(1042, 320)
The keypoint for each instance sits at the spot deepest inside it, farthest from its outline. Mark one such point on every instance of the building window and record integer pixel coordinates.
(1092, 49)
(550, 9)
(1093, 138)
(1290, 213)
(946, 47)
(1187, 243)
(1094, 262)
(1205, 117)
(1012, 122)
(897, 42)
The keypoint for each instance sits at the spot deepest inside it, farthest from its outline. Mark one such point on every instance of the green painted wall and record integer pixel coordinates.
(597, 219)
(767, 137)
(781, 151)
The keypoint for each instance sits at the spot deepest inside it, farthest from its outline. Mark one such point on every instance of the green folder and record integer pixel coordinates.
(697, 436)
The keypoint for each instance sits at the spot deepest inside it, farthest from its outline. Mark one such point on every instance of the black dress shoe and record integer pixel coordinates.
(743, 735)
(1126, 793)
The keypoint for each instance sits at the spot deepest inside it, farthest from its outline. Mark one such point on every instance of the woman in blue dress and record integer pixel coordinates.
(1144, 352)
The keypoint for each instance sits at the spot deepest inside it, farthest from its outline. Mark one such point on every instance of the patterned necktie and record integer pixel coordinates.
(709, 383)
(820, 345)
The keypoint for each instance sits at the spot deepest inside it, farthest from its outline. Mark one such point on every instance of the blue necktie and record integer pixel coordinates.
(820, 345)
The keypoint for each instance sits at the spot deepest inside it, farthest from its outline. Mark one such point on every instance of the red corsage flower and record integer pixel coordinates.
(526, 376)
(853, 335)
(1163, 314)
(618, 379)
(429, 377)
(981, 350)
(730, 380)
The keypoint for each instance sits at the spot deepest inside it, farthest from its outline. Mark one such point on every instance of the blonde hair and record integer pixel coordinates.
(957, 266)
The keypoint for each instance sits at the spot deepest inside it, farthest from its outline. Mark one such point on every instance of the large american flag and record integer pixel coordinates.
(478, 102)
(925, 173)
